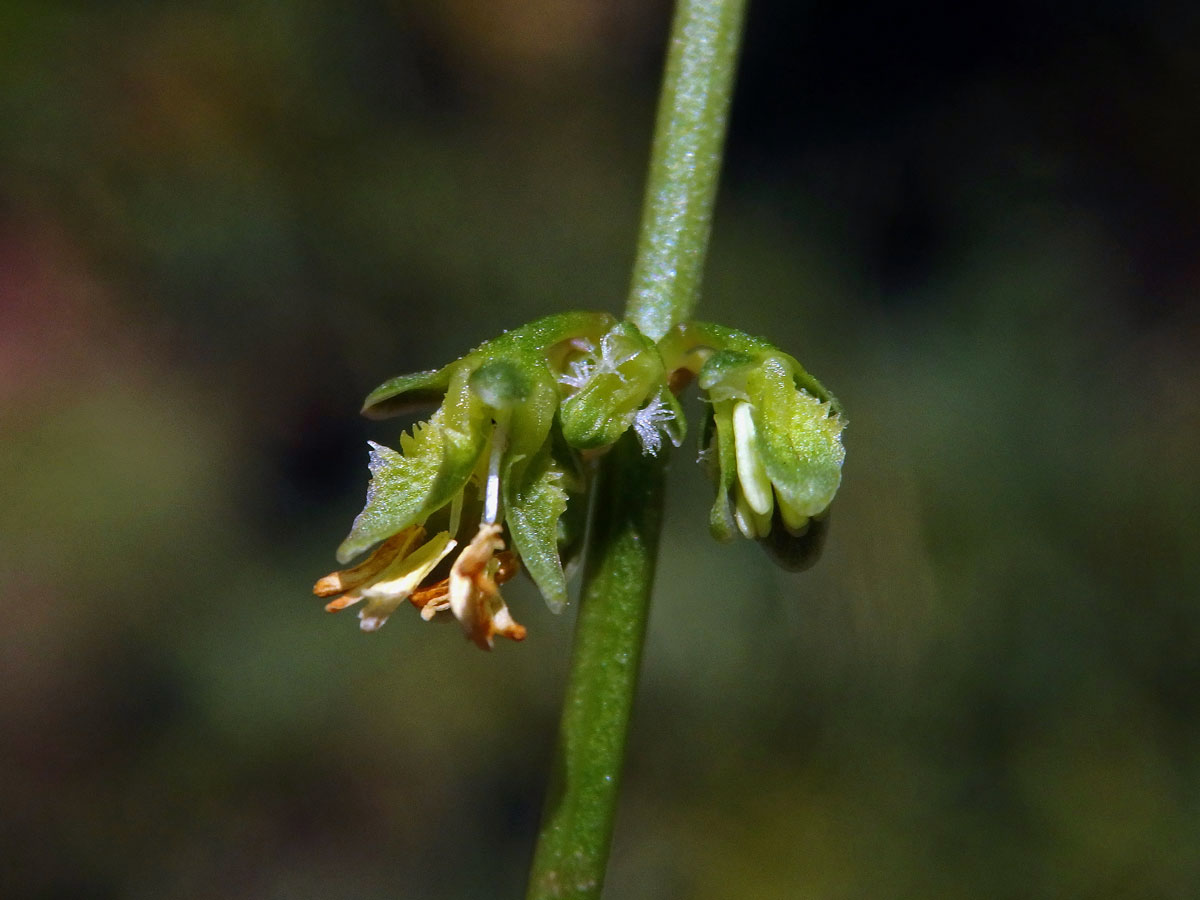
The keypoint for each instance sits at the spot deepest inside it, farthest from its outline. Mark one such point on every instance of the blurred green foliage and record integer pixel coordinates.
(221, 224)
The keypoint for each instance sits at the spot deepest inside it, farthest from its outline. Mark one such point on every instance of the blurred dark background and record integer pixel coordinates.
(222, 223)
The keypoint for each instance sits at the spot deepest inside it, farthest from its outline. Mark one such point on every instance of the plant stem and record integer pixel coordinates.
(572, 851)
(685, 162)
(576, 832)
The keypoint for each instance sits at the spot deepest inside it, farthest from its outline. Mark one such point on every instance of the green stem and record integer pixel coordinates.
(685, 162)
(572, 851)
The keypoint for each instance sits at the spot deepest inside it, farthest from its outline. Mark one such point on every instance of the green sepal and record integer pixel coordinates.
(434, 463)
(500, 383)
(723, 375)
(676, 426)
(407, 486)
(597, 414)
(716, 353)
(529, 423)
(708, 442)
(463, 414)
(572, 525)
(799, 438)
(535, 488)
(405, 393)
(533, 507)
(543, 334)
(810, 385)
(628, 372)
(720, 520)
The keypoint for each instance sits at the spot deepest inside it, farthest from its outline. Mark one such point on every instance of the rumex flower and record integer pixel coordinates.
(490, 458)
(772, 439)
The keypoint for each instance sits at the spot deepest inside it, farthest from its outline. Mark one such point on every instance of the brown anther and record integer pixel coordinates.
(349, 579)
(342, 602)
(437, 594)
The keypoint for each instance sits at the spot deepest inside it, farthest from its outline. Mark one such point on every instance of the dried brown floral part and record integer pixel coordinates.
(435, 598)
(398, 545)
(388, 577)
(474, 593)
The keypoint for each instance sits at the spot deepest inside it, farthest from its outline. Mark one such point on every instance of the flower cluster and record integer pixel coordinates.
(505, 459)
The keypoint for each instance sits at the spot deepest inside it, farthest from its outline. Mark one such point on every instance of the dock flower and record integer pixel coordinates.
(772, 439)
(486, 455)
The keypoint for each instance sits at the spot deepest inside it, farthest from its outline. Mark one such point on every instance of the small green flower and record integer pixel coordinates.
(486, 455)
(505, 456)
(772, 439)
(619, 384)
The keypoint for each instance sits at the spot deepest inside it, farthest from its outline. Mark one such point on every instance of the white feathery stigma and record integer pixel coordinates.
(649, 424)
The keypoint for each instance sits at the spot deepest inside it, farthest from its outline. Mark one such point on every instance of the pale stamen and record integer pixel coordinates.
(491, 495)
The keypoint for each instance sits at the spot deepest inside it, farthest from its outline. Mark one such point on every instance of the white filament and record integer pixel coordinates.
(491, 496)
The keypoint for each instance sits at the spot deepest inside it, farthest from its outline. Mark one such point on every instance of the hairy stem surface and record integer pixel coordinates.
(572, 851)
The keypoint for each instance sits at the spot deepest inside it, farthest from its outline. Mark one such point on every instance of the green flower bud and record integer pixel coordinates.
(772, 439)
(620, 384)
(500, 384)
